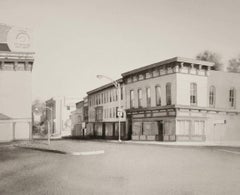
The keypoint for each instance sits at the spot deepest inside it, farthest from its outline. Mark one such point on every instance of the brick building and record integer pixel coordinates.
(182, 99)
(102, 112)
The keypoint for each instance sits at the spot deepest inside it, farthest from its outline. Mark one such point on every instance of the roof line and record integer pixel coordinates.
(175, 59)
(104, 87)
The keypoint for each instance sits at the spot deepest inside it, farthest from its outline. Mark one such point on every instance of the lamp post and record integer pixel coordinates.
(118, 87)
(51, 122)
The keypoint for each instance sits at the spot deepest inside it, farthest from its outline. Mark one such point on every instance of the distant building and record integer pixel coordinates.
(16, 63)
(102, 112)
(77, 117)
(60, 108)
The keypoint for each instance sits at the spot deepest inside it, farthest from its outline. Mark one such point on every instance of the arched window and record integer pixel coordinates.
(232, 97)
(168, 94)
(139, 98)
(158, 95)
(131, 98)
(212, 96)
(148, 96)
(193, 94)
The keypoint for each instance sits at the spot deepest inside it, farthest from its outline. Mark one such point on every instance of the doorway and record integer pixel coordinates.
(160, 131)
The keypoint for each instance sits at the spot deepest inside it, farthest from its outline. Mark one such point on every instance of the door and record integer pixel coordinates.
(160, 131)
(103, 130)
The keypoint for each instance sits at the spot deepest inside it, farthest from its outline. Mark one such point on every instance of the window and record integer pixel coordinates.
(212, 96)
(183, 127)
(113, 95)
(198, 128)
(110, 95)
(193, 94)
(148, 94)
(68, 107)
(168, 94)
(131, 98)
(158, 95)
(121, 93)
(139, 98)
(110, 109)
(114, 112)
(232, 98)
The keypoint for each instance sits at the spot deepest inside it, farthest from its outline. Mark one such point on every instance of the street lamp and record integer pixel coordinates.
(118, 87)
(51, 121)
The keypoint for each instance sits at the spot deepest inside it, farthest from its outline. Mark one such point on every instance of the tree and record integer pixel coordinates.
(211, 57)
(38, 107)
(234, 65)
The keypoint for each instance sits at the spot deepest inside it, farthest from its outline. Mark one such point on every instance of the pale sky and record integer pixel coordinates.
(75, 40)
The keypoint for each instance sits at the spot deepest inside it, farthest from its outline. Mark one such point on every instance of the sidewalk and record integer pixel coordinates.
(69, 146)
(236, 144)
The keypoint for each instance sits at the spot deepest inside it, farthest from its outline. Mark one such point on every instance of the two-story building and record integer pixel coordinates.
(182, 99)
(102, 112)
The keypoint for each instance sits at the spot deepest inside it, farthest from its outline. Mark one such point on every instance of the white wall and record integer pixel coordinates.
(16, 94)
(183, 89)
(6, 132)
(15, 102)
(223, 81)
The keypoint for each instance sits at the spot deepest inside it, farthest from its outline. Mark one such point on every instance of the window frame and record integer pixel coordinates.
(158, 95)
(148, 96)
(168, 93)
(193, 94)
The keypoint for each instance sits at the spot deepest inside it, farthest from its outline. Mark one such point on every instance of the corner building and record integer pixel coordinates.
(182, 99)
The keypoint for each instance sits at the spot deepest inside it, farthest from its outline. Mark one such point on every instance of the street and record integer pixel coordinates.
(121, 169)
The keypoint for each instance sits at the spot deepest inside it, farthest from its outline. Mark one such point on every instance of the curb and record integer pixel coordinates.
(62, 152)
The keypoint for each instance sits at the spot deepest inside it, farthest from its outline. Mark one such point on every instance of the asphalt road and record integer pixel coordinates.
(122, 169)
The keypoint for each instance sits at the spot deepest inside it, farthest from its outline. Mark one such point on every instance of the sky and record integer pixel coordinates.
(75, 40)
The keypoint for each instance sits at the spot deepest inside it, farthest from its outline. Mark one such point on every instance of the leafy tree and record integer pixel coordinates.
(211, 57)
(234, 65)
(38, 107)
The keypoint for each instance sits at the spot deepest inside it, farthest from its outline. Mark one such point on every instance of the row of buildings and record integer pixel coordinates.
(178, 99)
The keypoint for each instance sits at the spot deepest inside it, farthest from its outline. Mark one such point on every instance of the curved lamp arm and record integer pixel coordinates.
(115, 83)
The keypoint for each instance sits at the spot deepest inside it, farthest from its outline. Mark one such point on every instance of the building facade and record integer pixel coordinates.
(102, 112)
(16, 63)
(58, 115)
(182, 99)
(77, 120)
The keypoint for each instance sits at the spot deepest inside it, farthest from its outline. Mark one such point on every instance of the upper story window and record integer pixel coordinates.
(148, 94)
(158, 95)
(168, 94)
(232, 97)
(139, 98)
(121, 93)
(212, 96)
(131, 98)
(110, 95)
(193, 94)
(102, 99)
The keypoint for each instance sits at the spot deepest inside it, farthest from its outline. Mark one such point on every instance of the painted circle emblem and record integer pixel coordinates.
(19, 40)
